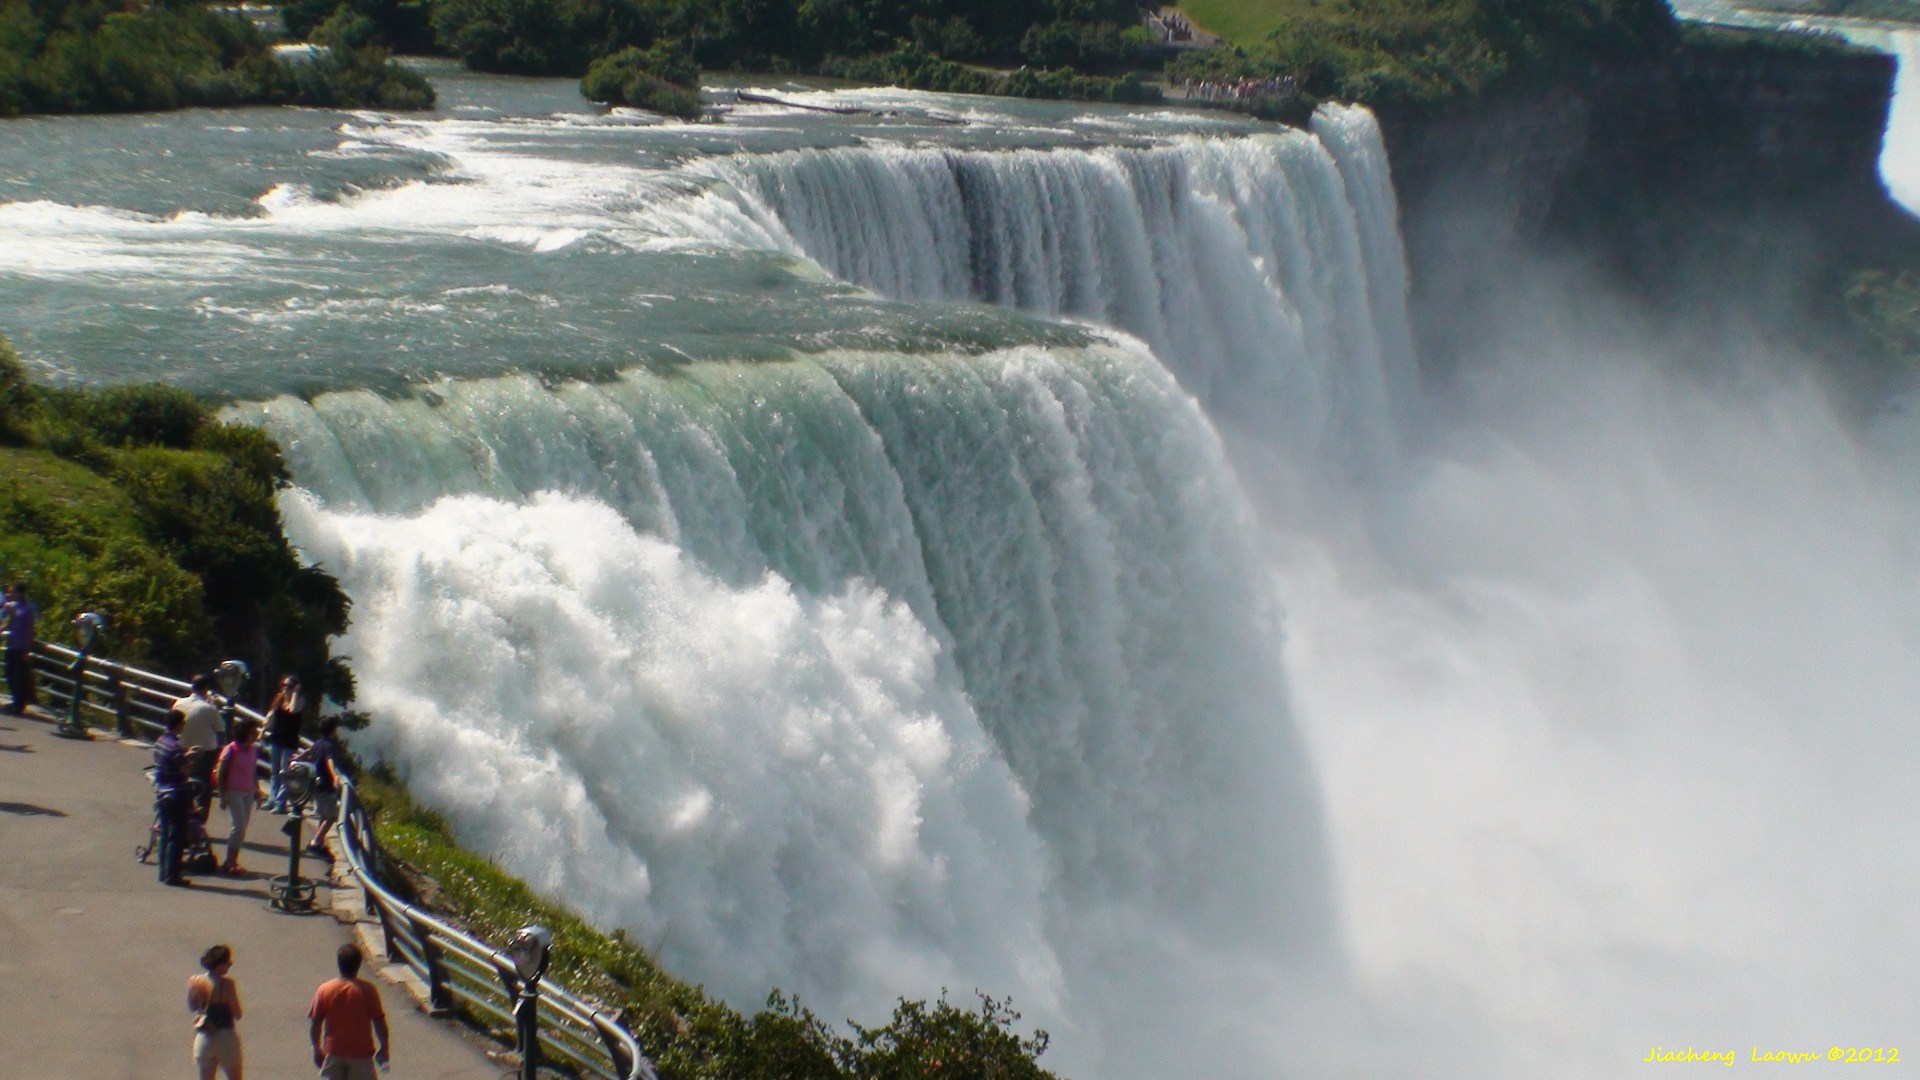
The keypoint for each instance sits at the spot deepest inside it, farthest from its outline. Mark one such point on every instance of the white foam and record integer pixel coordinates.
(881, 673)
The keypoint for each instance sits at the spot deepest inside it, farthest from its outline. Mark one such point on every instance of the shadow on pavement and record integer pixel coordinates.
(226, 886)
(29, 810)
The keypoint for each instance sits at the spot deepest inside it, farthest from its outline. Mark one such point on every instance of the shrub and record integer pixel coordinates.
(1087, 46)
(917, 69)
(18, 406)
(78, 562)
(166, 519)
(953, 39)
(560, 37)
(148, 414)
(1886, 311)
(660, 79)
(402, 25)
(355, 69)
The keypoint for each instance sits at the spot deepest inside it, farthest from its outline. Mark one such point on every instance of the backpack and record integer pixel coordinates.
(217, 1015)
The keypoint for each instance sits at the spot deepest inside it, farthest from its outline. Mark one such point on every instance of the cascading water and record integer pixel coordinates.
(842, 673)
(1264, 270)
(868, 645)
(1900, 154)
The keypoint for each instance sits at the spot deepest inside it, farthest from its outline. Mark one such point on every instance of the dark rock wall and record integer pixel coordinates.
(1732, 182)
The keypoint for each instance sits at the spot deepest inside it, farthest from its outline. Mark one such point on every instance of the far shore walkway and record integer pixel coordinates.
(96, 953)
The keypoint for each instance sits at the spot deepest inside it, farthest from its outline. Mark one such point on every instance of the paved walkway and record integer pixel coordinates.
(96, 953)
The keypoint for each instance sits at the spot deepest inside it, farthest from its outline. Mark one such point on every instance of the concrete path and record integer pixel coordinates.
(96, 953)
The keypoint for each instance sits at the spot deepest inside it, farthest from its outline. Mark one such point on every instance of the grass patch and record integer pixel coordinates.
(1426, 54)
(688, 1035)
(437, 873)
(1242, 22)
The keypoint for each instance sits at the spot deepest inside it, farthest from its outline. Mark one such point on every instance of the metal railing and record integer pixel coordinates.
(131, 701)
(458, 967)
(459, 970)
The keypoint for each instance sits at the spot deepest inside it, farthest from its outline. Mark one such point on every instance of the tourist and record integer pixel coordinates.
(172, 799)
(17, 617)
(214, 1001)
(203, 730)
(347, 1019)
(202, 713)
(284, 717)
(326, 784)
(237, 779)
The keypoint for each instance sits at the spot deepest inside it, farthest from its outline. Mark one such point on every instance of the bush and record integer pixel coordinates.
(167, 520)
(78, 561)
(1087, 46)
(140, 415)
(661, 79)
(917, 69)
(1886, 311)
(403, 25)
(953, 39)
(18, 406)
(1067, 84)
(519, 37)
(353, 69)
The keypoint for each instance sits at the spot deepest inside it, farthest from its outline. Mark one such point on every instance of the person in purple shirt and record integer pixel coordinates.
(172, 799)
(17, 616)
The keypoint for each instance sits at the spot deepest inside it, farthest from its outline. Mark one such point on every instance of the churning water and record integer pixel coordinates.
(827, 546)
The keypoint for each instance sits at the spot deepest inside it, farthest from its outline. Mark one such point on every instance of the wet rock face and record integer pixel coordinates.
(1738, 179)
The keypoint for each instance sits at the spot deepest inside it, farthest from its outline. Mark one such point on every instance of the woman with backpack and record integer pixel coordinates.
(214, 1001)
(237, 778)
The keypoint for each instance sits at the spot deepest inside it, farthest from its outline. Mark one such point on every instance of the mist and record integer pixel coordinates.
(1608, 687)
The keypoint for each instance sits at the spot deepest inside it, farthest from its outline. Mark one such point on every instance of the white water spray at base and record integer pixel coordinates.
(860, 674)
(694, 762)
(1614, 715)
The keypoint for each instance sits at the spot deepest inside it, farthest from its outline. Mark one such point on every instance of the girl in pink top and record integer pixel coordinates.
(237, 778)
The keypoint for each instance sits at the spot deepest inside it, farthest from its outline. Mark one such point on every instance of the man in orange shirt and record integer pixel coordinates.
(348, 1009)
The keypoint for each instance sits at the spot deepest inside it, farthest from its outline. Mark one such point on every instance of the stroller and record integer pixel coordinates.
(197, 854)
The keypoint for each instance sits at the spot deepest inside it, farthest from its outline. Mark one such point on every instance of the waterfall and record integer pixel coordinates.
(923, 666)
(851, 673)
(1264, 270)
(1900, 151)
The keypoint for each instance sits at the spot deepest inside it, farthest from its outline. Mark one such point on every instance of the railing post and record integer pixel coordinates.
(122, 699)
(430, 951)
(387, 935)
(610, 1036)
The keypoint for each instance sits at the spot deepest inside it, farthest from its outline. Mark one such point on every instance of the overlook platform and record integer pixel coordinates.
(97, 953)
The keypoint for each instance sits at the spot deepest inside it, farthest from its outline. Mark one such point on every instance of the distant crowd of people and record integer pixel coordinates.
(1246, 89)
(347, 1024)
